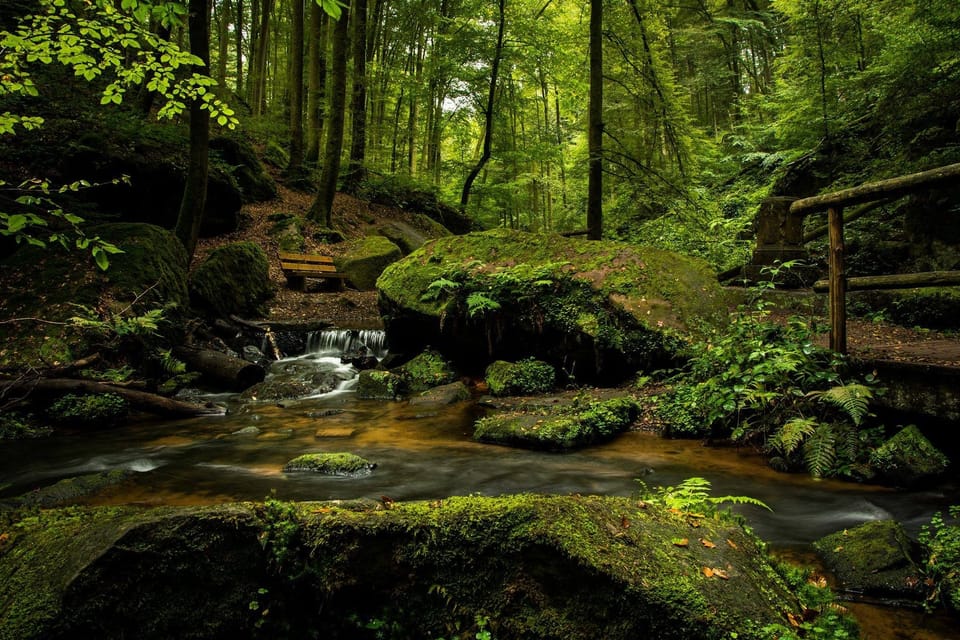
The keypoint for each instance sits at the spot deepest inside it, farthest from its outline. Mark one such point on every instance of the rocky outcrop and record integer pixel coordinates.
(533, 567)
(596, 310)
(364, 260)
(234, 279)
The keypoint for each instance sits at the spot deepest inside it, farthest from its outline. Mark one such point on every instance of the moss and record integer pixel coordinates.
(234, 279)
(70, 490)
(365, 259)
(15, 426)
(520, 378)
(873, 559)
(908, 458)
(380, 385)
(331, 464)
(569, 428)
(428, 369)
(287, 228)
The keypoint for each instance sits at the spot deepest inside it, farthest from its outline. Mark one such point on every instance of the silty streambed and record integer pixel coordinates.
(426, 454)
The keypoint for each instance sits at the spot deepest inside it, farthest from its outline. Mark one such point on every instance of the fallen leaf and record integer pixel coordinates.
(680, 542)
(694, 523)
(720, 573)
(707, 571)
(707, 543)
(838, 549)
(793, 620)
(732, 544)
(624, 522)
(641, 504)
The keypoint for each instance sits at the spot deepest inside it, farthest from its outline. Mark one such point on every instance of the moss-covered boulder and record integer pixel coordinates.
(598, 310)
(520, 378)
(874, 559)
(234, 279)
(380, 385)
(558, 430)
(287, 228)
(441, 396)
(425, 371)
(70, 490)
(908, 459)
(50, 283)
(255, 184)
(533, 567)
(409, 238)
(365, 259)
(330, 464)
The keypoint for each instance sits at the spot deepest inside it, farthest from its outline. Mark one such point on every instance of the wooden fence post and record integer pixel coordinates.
(838, 281)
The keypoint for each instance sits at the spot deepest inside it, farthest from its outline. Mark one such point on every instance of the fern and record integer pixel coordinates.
(792, 434)
(479, 304)
(853, 399)
(820, 451)
(694, 493)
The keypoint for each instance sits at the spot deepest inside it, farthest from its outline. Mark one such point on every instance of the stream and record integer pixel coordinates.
(428, 454)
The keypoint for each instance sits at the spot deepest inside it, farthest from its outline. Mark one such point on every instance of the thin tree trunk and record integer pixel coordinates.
(358, 100)
(322, 208)
(488, 112)
(223, 41)
(259, 76)
(295, 166)
(316, 80)
(195, 191)
(595, 133)
(238, 38)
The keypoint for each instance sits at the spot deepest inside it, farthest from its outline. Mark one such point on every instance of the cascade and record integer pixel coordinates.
(340, 341)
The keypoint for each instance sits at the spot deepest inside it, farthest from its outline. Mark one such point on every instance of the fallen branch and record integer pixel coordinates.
(141, 400)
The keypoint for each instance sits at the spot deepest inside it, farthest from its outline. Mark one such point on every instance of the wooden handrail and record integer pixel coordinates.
(896, 281)
(876, 190)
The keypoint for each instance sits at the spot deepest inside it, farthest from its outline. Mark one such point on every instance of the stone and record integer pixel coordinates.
(330, 464)
(908, 459)
(520, 378)
(380, 385)
(441, 396)
(363, 260)
(233, 280)
(425, 371)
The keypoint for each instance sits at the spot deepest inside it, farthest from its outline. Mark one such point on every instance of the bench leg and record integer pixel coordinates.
(297, 282)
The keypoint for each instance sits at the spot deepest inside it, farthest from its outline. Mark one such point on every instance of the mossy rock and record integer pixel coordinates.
(70, 490)
(380, 385)
(600, 310)
(442, 396)
(408, 238)
(16, 426)
(908, 459)
(49, 283)
(536, 567)
(874, 559)
(563, 430)
(234, 279)
(330, 464)
(365, 259)
(328, 236)
(88, 410)
(427, 370)
(255, 184)
(287, 228)
(520, 378)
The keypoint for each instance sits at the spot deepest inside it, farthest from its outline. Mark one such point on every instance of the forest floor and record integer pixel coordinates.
(358, 309)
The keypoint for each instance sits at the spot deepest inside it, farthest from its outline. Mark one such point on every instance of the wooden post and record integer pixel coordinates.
(838, 281)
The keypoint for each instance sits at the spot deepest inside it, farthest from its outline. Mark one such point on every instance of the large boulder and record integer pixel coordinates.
(50, 283)
(234, 279)
(255, 184)
(533, 567)
(908, 459)
(365, 259)
(596, 310)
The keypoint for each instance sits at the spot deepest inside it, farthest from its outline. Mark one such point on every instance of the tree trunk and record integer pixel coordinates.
(223, 38)
(322, 208)
(316, 76)
(296, 91)
(195, 191)
(358, 101)
(488, 112)
(235, 373)
(595, 133)
(238, 38)
(258, 78)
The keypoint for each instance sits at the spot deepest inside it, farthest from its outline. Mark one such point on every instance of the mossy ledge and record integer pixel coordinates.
(595, 310)
(537, 566)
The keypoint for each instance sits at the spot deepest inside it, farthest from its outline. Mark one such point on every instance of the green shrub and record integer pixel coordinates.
(941, 545)
(102, 409)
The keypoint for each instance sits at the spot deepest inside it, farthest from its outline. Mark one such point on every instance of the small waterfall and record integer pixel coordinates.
(340, 341)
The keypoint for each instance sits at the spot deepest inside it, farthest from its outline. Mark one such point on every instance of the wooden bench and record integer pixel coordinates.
(297, 267)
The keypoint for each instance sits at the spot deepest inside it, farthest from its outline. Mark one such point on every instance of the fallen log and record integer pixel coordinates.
(235, 373)
(140, 400)
(897, 281)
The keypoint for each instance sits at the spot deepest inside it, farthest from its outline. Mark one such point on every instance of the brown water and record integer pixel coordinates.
(428, 455)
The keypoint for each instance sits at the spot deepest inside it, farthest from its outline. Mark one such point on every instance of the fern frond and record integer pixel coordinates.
(853, 399)
(740, 500)
(792, 434)
(819, 451)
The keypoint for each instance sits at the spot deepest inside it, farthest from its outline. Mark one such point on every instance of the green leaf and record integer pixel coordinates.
(100, 257)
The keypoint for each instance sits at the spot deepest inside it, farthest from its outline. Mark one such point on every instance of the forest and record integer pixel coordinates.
(479, 319)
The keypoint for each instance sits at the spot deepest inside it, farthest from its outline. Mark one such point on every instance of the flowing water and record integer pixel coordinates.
(428, 454)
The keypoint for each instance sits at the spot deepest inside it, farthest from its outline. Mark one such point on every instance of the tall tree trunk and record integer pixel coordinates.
(595, 133)
(358, 100)
(258, 99)
(322, 208)
(488, 112)
(223, 41)
(238, 39)
(296, 91)
(195, 190)
(415, 98)
(316, 80)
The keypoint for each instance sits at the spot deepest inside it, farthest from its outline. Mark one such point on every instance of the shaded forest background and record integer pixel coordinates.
(709, 106)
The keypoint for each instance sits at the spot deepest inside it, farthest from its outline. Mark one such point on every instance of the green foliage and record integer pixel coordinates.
(832, 621)
(280, 529)
(693, 494)
(940, 540)
(88, 410)
(521, 378)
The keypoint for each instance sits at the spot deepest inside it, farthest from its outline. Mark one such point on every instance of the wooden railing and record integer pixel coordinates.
(837, 283)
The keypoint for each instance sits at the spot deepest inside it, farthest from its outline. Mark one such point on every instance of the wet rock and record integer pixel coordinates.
(520, 378)
(441, 396)
(254, 355)
(70, 490)
(325, 413)
(360, 360)
(247, 431)
(539, 567)
(427, 370)
(561, 429)
(873, 559)
(331, 464)
(380, 385)
(909, 459)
